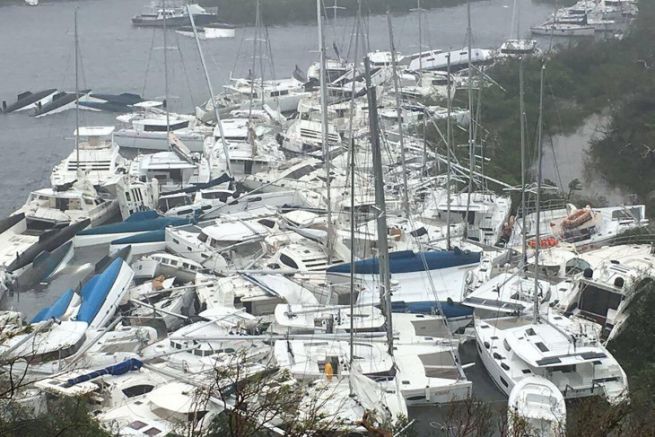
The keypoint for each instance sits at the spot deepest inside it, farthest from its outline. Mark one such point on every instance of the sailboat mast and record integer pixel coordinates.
(469, 33)
(324, 131)
(523, 200)
(219, 123)
(538, 207)
(449, 135)
(420, 35)
(77, 96)
(254, 59)
(383, 244)
(399, 116)
(168, 121)
(352, 198)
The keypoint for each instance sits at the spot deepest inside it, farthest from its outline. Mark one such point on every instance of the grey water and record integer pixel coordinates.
(37, 52)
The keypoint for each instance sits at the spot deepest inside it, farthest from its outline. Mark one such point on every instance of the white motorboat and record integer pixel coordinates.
(536, 407)
(173, 16)
(99, 158)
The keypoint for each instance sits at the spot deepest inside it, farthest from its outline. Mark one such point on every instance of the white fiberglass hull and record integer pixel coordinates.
(563, 30)
(156, 141)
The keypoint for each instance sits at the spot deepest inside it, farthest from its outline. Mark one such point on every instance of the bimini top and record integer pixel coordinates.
(408, 261)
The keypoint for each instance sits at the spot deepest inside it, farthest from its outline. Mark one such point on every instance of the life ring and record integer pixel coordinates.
(544, 243)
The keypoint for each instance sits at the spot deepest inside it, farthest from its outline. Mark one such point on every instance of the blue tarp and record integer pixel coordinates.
(116, 369)
(408, 261)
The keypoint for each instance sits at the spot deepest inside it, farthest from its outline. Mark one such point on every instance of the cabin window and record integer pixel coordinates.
(503, 382)
(506, 345)
(61, 204)
(542, 347)
(196, 415)
(185, 212)
(564, 369)
(286, 260)
(137, 424)
(176, 241)
(202, 237)
(575, 266)
(137, 390)
(152, 431)
(162, 128)
(267, 222)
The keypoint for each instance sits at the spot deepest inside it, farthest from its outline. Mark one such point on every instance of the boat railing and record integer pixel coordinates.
(596, 387)
(548, 205)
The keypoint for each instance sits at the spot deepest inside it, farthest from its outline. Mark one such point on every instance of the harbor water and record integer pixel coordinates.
(37, 52)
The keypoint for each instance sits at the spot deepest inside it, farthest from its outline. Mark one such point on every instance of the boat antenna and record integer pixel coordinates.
(399, 115)
(219, 123)
(538, 208)
(324, 131)
(168, 121)
(77, 95)
(469, 34)
(383, 244)
(449, 134)
(523, 200)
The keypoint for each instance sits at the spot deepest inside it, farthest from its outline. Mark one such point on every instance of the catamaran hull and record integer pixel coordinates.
(558, 31)
(31, 102)
(209, 32)
(155, 141)
(199, 20)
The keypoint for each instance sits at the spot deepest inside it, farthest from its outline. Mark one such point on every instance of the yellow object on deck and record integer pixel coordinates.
(329, 372)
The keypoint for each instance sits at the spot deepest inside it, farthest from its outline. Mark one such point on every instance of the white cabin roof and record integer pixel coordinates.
(94, 131)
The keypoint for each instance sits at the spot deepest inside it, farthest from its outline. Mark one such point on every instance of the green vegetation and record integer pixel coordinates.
(66, 417)
(277, 12)
(613, 77)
